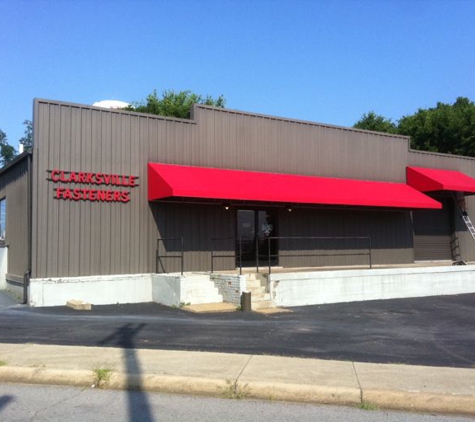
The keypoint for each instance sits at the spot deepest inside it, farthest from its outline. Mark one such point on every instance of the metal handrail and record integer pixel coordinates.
(269, 255)
(159, 257)
(239, 241)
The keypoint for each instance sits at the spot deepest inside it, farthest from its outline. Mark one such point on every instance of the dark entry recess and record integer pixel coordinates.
(432, 232)
(254, 227)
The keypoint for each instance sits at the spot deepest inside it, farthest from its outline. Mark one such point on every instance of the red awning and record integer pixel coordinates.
(431, 180)
(166, 180)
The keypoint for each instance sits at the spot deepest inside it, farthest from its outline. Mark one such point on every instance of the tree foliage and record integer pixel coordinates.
(175, 104)
(27, 139)
(376, 122)
(7, 152)
(446, 128)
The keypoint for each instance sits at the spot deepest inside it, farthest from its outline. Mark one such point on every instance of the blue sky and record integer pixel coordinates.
(328, 61)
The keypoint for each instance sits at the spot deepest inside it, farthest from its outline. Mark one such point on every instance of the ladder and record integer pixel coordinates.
(468, 223)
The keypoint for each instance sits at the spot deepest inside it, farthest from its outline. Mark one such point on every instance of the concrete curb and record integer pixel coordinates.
(421, 402)
(384, 399)
(227, 375)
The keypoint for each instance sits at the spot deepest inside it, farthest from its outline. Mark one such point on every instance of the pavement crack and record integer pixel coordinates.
(242, 370)
(358, 381)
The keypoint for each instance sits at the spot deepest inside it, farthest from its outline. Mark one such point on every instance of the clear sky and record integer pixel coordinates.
(328, 61)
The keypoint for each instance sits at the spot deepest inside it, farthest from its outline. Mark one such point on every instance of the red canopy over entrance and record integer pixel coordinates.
(167, 180)
(432, 180)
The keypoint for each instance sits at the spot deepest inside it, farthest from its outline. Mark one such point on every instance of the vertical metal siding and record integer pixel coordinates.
(465, 165)
(14, 187)
(85, 238)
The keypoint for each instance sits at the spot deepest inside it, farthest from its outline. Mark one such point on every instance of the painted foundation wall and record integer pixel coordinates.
(3, 267)
(166, 289)
(97, 290)
(314, 288)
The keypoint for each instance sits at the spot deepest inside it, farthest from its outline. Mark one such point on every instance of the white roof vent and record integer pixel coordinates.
(111, 104)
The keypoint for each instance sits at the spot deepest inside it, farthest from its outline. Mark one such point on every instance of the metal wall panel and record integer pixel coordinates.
(465, 245)
(244, 141)
(86, 238)
(74, 238)
(14, 188)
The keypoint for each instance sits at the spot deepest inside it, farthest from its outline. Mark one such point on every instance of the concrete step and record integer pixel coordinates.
(250, 284)
(198, 288)
(264, 304)
(209, 285)
(201, 300)
(260, 297)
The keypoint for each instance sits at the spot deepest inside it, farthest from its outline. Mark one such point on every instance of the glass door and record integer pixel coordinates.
(254, 227)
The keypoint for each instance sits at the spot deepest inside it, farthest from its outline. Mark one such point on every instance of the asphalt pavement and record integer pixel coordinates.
(434, 331)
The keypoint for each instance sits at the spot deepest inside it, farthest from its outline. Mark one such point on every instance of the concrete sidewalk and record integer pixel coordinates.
(425, 389)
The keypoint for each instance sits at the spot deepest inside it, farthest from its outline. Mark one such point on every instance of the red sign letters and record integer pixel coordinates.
(91, 193)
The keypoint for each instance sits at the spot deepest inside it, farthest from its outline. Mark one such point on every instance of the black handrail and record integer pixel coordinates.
(159, 257)
(237, 249)
(213, 254)
(279, 255)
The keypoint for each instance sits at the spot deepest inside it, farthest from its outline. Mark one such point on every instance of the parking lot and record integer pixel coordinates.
(438, 331)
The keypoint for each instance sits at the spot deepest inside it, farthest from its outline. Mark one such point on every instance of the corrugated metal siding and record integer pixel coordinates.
(85, 238)
(461, 235)
(432, 232)
(242, 141)
(197, 224)
(390, 233)
(14, 187)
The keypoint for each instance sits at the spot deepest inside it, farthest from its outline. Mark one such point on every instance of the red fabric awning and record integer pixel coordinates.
(166, 180)
(432, 180)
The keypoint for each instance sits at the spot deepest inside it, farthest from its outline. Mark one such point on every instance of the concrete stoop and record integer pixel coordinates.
(198, 289)
(260, 299)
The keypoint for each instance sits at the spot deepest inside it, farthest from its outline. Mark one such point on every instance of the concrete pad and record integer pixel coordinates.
(307, 380)
(78, 305)
(267, 311)
(61, 357)
(224, 366)
(431, 389)
(428, 389)
(211, 307)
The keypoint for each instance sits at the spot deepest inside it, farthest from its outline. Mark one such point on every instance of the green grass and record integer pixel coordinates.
(234, 391)
(3, 363)
(101, 376)
(367, 406)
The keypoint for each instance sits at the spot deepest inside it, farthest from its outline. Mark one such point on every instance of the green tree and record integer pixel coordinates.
(7, 152)
(447, 128)
(376, 122)
(174, 104)
(27, 139)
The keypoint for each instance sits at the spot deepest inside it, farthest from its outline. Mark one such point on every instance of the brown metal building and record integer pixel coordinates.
(79, 205)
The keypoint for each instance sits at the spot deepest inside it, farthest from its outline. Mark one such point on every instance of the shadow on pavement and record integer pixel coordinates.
(4, 400)
(137, 401)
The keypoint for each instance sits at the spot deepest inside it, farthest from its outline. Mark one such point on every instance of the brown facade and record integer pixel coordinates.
(14, 182)
(80, 238)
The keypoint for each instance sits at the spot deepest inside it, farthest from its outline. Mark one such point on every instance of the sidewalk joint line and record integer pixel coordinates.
(358, 381)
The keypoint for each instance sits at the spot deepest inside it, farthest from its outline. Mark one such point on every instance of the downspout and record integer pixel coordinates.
(27, 275)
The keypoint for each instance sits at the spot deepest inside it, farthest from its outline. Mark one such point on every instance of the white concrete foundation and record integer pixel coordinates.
(3, 267)
(97, 290)
(178, 290)
(286, 289)
(318, 287)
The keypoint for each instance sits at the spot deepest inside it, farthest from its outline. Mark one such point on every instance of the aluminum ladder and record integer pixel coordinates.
(468, 223)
